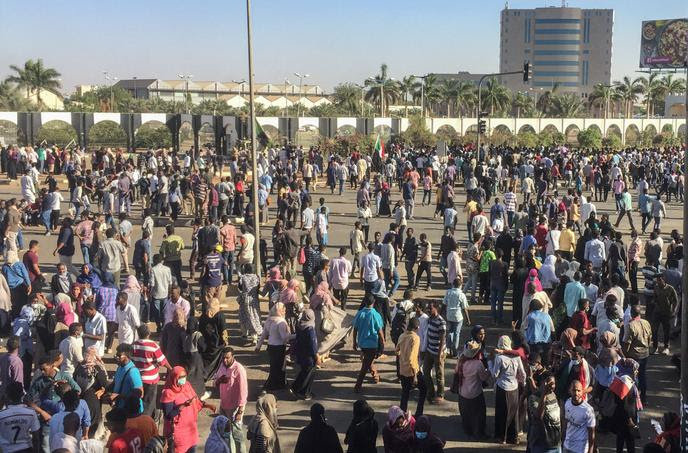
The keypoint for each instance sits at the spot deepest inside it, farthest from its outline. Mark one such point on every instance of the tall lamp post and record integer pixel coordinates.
(241, 85)
(134, 79)
(362, 87)
(286, 98)
(301, 77)
(186, 78)
(254, 154)
(112, 80)
(422, 94)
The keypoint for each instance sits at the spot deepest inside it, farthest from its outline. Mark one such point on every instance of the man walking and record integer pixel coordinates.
(434, 354)
(408, 350)
(368, 335)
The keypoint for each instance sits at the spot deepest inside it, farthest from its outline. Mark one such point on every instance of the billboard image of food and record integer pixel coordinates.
(664, 44)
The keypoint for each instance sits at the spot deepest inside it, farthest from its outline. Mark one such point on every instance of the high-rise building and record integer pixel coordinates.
(571, 47)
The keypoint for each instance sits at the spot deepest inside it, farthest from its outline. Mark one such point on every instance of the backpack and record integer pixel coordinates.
(399, 323)
(551, 430)
(607, 404)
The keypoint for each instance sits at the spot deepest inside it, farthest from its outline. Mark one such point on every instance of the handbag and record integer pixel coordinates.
(302, 255)
(327, 326)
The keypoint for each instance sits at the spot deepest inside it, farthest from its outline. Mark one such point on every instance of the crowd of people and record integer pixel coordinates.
(570, 365)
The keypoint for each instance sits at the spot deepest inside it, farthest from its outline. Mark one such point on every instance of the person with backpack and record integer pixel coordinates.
(544, 429)
(410, 374)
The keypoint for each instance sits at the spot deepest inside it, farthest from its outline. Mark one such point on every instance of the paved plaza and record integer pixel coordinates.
(334, 383)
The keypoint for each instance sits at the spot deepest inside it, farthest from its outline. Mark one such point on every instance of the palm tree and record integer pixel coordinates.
(521, 102)
(406, 86)
(35, 77)
(382, 89)
(566, 105)
(432, 92)
(628, 91)
(449, 90)
(347, 96)
(546, 99)
(673, 86)
(466, 97)
(12, 100)
(495, 95)
(602, 95)
(651, 89)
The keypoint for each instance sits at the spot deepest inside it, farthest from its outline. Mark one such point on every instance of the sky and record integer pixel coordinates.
(332, 40)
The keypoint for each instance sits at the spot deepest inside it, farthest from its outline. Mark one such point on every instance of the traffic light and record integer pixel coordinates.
(482, 126)
(527, 71)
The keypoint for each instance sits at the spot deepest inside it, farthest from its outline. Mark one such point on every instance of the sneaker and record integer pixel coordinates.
(666, 351)
(205, 396)
(656, 351)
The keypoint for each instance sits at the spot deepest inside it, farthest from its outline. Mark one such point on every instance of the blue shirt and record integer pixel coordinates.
(367, 323)
(407, 191)
(266, 180)
(16, 274)
(57, 420)
(528, 240)
(573, 293)
(539, 328)
(127, 378)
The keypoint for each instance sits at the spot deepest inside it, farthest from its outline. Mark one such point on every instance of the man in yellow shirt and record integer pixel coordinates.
(567, 241)
(470, 208)
(410, 374)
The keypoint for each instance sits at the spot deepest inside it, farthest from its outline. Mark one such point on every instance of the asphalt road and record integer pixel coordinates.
(334, 382)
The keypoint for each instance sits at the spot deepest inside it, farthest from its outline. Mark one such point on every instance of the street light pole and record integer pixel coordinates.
(254, 154)
(286, 98)
(301, 77)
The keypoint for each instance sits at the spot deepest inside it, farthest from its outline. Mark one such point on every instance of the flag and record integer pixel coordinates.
(621, 386)
(261, 136)
(380, 147)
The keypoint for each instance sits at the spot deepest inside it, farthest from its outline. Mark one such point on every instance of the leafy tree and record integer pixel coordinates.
(590, 138)
(551, 138)
(612, 141)
(494, 96)
(381, 85)
(652, 89)
(406, 87)
(628, 91)
(35, 77)
(417, 133)
(527, 139)
(432, 92)
(546, 100)
(107, 133)
(56, 133)
(522, 103)
(566, 106)
(12, 100)
(153, 136)
(348, 98)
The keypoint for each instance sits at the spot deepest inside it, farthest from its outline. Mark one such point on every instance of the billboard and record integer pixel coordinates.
(664, 44)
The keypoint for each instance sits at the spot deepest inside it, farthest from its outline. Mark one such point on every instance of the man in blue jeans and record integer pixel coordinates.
(498, 283)
(368, 333)
(457, 309)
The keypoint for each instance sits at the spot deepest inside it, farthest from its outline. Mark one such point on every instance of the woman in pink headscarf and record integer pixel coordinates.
(532, 278)
(321, 296)
(288, 296)
(273, 286)
(133, 290)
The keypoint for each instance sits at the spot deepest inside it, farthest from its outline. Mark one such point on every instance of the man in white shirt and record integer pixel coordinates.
(174, 302)
(586, 209)
(371, 269)
(19, 425)
(307, 218)
(72, 348)
(580, 422)
(340, 268)
(28, 189)
(127, 320)
(95, 328)
(595, 251)
(480, 223)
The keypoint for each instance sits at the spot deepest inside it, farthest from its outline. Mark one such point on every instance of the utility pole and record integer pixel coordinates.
(254, 153)
(684, 299)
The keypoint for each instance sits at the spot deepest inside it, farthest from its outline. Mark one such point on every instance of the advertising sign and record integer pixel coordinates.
(664, 44)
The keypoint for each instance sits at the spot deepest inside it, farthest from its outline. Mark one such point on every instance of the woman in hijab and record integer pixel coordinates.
(478, 335)
(249, 306)
(548, 275)
(76, 294)
(471, 374)
(624, 421)
(273, 286)
(214, 330)
(533, 294)
(276, 332)
(22, 328)
(64, 315)
(262, 430)
(173, 338)
(384, 201)
(289, 296)
(321, 296)
(424, 440)
(216, 441)
(92, 378)
(306, 351)
(576, 368)
(518, 281)
(397, 434)
(193, 344)
(533, 278)
(180, 406)
(362, 432)
(606, 369)
(89, 275)
(508, 373)
(318, 436)
(133, 290)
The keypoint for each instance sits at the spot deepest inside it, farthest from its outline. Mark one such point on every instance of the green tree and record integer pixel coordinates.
(107, 133)
(652, 89)
(406, 87)
(417, 133)
(12, 100)
(494, 96)
(545, 102)
(348, 98)
(522, 103)
(56, 133)
(590, 138)
(603, 95)
(527, 139)
(35, 78)
(153, 136)
(432, 92)
(612, 141)
(628, 91)
(382, 90)
(566, 106)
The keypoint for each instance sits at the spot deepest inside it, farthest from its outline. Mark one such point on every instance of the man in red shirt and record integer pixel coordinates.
(541, 233)
(581, 323)
(148, 358)
(123, 440)
(30, 260)
(229, 239)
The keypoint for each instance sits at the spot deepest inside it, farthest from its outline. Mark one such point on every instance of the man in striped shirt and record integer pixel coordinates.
(148, 358)
(434, 353)
(510, 203)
